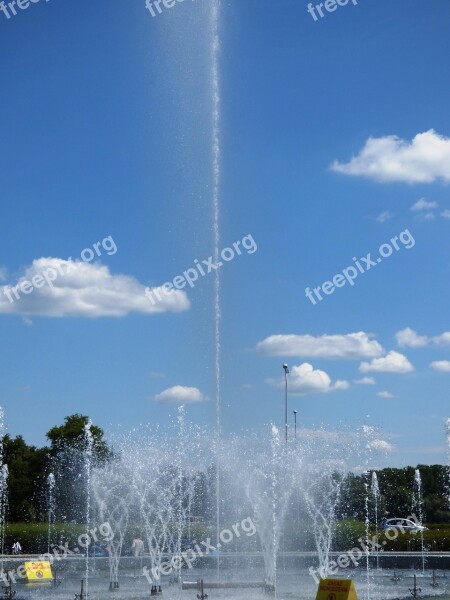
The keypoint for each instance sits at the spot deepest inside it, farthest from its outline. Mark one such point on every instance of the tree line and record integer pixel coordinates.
(29, 468)
(396, 494)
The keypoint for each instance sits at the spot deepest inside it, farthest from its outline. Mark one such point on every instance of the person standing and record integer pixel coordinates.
(137, 547)
(17, 548)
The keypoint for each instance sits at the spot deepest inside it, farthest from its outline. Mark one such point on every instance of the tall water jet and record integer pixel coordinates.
(268, 498)
(88, 454)
(322, 494)
(183, 490)
(265, 471)
(3, 505)
(367, 529)
(215, 91)
(114, 499)
(3, 488)
(50, 507)
(161, 492)
(369, 435)
(376, 498)
(417, 507)
(447, 434)
(152, 486)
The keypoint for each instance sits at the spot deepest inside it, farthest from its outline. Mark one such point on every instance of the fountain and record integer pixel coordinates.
(417, 508)
(215, 145)
(3, 488)
(322, 495)
(369, 435)
(89, 441)
(447, 432)
(376, 498)
(163, 494)
(112, 496)
(367, 529)
(50, 507)
(156, 483)
(268, 485)
(152, 485)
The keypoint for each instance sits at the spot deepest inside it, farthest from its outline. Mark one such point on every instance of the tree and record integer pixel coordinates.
(68, 463)
(27, 474)
(72, 436)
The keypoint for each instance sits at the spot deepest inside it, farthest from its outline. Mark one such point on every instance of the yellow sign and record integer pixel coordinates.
(336, 589)
(39, 571)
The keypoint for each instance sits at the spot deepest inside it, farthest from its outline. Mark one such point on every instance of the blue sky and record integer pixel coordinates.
(106, 132)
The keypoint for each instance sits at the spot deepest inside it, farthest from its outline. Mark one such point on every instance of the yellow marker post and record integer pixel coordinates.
(39, 572)
(336, 589)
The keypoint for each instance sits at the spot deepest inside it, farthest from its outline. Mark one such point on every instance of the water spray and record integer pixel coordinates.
(418, 506)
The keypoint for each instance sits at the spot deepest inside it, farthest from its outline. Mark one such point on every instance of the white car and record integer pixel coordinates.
(402, 525)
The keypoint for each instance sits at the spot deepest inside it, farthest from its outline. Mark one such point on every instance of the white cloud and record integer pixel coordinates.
(411, 339)
(445, 213)
(443, 339)
(3, 274)
(341, 384)
(424, 159)
(380, 445)
(442, 366)
(424, 204)
(304, 379)
(384, 216)
(365, 381)
(347, 346)
(393, 362)
(386, 395)
(82, 289)
(180, 394)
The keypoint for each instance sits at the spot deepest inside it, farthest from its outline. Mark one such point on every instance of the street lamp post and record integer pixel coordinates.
(286, 371)
(295, 423)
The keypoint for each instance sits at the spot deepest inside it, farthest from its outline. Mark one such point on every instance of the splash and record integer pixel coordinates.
(89, 447)
(50, 507)
(417, 507)
(3, 488)
(113, 497)
(376, 499)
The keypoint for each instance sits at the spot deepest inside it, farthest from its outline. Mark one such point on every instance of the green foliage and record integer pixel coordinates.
(33, 537)
(71, 435)
(434, 539)
(353, 495)
(396, 488)
(27, 469)
(348, 533)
